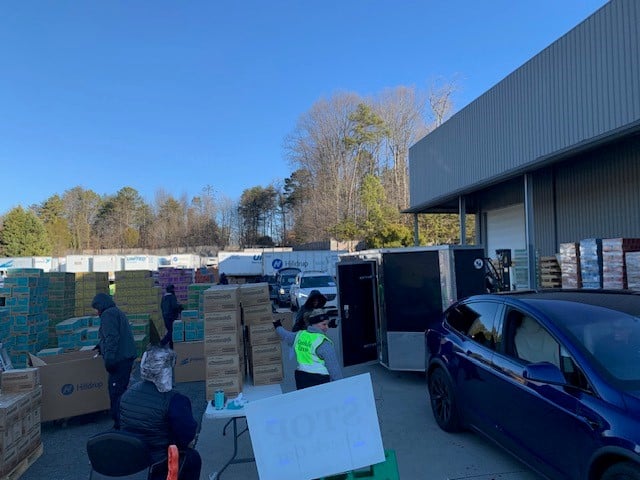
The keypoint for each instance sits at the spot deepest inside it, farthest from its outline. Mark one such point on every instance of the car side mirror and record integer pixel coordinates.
(544, 372)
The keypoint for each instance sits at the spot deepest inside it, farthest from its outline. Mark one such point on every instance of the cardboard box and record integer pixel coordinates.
(223, 365)
(220, 297)
(10, 405)
(265, 354)
(262, 334)
(221, 344)
(254, 294)
(73, 384)
(20, 380)
(231, 385)
(257, 314)
(224, 321)
(267, 374)
(285, 317)
(190, 362)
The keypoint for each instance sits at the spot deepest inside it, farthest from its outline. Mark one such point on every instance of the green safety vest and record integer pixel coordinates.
(305, 346)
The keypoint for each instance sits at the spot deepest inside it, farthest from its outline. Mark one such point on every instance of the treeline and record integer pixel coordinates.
(349, 157)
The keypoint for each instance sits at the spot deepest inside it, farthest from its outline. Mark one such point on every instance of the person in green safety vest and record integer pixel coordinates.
(315, 353)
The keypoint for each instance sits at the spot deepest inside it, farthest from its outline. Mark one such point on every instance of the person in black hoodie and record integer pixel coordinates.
(117, 347)
(170, 313)
(315, 300)
(161, 416)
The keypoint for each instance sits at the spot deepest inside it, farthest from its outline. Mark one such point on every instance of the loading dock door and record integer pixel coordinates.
(358, 312)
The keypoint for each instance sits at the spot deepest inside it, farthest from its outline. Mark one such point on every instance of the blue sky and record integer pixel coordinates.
(178, 95)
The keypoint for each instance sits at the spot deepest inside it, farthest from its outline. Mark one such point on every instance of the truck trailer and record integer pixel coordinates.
(319, 260)
(389, 297)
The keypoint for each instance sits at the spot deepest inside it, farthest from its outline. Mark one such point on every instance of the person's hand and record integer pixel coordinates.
(277, 324)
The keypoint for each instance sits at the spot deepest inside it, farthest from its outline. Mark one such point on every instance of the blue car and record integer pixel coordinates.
(552, 377)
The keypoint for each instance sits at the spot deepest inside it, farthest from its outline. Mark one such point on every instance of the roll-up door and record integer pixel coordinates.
(506, 229)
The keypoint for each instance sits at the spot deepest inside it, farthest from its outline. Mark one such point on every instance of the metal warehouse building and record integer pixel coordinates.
(551, 154)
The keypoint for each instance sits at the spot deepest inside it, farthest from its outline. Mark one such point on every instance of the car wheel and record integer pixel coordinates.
(622, 471)
(443, 402)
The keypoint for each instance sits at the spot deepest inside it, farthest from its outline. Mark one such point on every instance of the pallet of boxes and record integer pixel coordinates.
(20, 399)
(223, 341)
(264, 351)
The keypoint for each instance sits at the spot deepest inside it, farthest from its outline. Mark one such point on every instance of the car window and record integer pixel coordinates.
(615, 345)
(317, 281)
(610, 338)
(476, 321)
(527, 340)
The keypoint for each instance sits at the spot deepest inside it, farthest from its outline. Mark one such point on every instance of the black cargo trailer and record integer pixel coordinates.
(388, 298)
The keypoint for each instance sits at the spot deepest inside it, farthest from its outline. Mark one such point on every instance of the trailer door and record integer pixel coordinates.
(358, 312)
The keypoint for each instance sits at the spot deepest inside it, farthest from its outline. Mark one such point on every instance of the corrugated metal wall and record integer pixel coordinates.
(583, 87)
(594, 195)
(599, 196)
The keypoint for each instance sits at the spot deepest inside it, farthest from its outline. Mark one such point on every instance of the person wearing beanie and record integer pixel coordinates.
(161, 416)
(315, 300)
(315, 353)
(171, 310)
(117, 347)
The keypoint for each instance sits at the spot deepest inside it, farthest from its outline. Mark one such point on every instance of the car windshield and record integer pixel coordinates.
(611, 338)
(287, 280)
(317, 281)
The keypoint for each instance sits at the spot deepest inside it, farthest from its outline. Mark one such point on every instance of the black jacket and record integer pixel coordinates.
(160, 419)
(116, 339)
(170, 307)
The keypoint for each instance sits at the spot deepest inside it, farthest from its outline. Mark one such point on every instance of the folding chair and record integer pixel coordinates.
(118, 454)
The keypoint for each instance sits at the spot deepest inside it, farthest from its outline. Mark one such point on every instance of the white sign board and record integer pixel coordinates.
(317, 431)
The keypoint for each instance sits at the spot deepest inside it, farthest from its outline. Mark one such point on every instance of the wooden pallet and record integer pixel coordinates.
(549, 272)
(24, 464)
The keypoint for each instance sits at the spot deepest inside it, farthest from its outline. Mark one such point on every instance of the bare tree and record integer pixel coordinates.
(81, 207)
(228, 221)
(317, 146)
(403, 112)
(440, 101)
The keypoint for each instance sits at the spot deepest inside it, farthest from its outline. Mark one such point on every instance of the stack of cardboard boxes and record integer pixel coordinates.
(614, 264)
(263, 344)
(137, 293)
(87, 286)
(180, 278)
(223, 341)
(20, 397)
(570, 265)
(25, 294)
(77, 332)
(61, 305)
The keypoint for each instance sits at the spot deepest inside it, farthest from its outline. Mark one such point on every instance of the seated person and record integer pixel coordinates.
(153, 411)
(534, 344)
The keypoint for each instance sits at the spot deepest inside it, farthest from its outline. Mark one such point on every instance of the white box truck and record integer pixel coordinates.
(319, 260)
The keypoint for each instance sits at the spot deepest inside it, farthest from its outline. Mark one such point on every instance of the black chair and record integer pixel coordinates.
(118, 454)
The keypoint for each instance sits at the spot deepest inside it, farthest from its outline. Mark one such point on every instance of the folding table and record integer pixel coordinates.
(250, 393)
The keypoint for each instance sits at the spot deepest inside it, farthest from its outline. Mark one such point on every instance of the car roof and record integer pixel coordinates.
(619, 300)
(314, 273)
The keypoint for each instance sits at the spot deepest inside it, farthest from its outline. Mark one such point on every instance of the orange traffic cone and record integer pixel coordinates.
(174, 460)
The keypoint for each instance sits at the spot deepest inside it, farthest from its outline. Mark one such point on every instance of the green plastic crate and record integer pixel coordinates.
(387, 470)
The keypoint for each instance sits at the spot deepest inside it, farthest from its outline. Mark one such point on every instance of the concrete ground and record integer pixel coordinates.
(423, 451)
